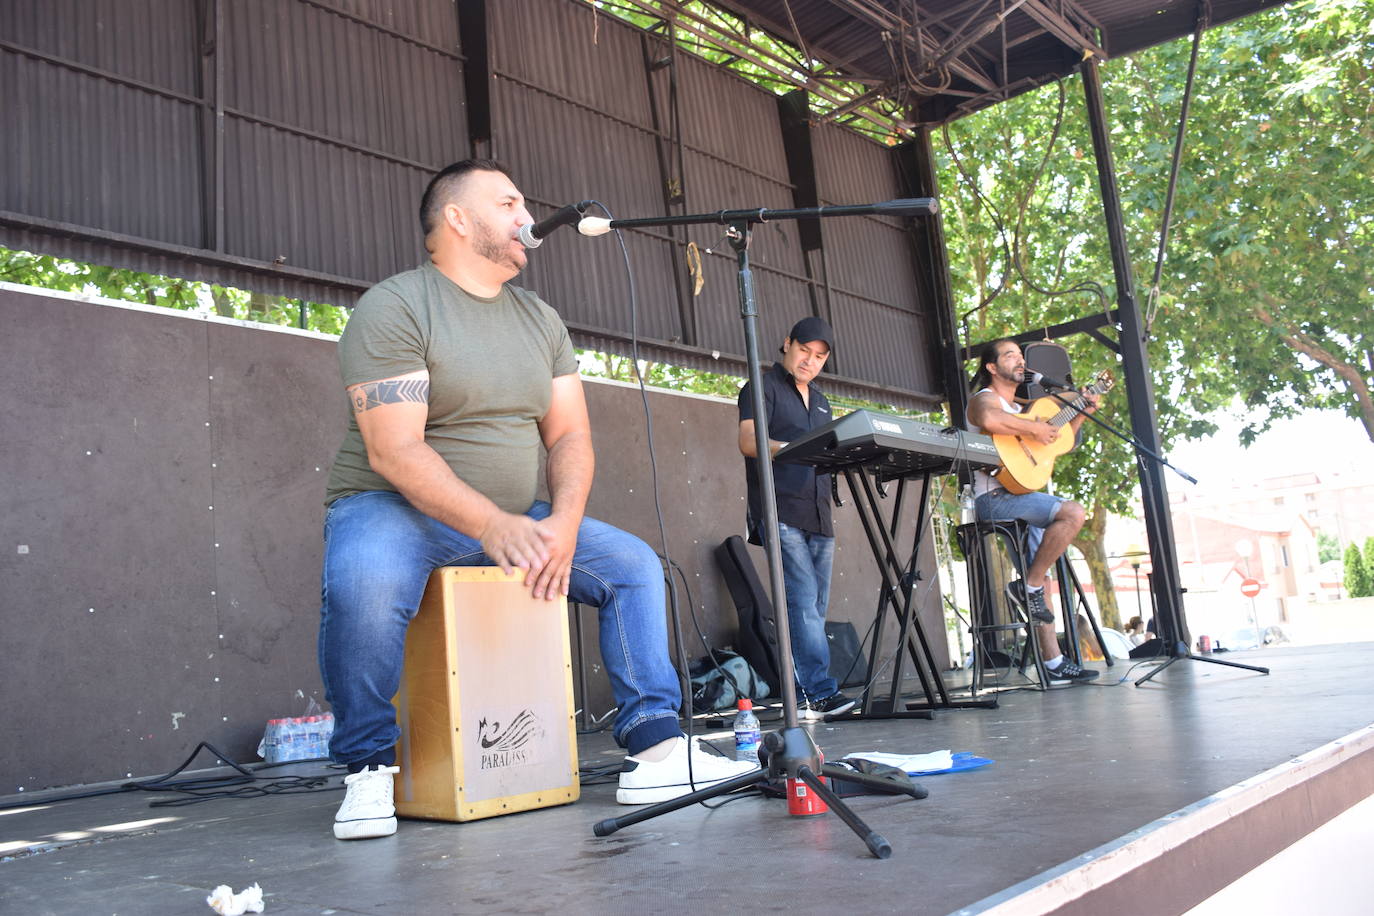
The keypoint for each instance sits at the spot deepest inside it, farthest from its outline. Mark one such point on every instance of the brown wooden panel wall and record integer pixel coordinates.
(160, 529)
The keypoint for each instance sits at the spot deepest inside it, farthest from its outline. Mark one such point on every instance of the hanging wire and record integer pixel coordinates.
(1204, 17)
(1011, 241)
(913, 80)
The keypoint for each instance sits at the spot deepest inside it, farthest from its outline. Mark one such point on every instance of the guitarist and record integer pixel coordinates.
(1053, 521)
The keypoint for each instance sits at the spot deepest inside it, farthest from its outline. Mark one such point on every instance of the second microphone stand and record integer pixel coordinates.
(1177, 650)
(793, 754)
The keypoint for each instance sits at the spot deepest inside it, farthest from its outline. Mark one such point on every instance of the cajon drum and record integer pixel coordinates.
(486, 700)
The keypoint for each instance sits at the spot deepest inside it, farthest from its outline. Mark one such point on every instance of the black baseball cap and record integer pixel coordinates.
(809, 329)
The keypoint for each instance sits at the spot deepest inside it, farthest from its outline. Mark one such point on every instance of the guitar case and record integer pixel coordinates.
(1047, 358)
(758, 625)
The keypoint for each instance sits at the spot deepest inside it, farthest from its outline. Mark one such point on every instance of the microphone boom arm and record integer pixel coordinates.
(910, 206)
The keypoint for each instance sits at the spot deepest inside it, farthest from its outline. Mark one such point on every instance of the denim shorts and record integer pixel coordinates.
(1035, 509)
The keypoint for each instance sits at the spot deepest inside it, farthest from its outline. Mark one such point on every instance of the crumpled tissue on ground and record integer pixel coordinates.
(224, 901)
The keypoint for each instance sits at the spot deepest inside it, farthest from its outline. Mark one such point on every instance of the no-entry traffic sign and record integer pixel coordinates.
(1250, 587)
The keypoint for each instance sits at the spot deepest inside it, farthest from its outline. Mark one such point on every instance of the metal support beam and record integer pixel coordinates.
(473, 33)
(1063, 28)
(917, 177)
(794, 119)
(668, 149)
(1088, 325)
(1165, 583)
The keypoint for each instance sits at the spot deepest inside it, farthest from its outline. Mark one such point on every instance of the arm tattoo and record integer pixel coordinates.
(393, 391)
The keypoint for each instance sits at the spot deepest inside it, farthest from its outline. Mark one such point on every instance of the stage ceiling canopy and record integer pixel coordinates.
(928, 62)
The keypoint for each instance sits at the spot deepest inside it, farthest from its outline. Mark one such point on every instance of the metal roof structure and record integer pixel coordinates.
(279, 145)
(888, 66)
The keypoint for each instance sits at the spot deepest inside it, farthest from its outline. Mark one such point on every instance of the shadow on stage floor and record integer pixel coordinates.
(1083, 776)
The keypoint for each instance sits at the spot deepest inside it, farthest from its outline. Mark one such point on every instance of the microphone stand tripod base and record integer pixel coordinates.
(792, 756)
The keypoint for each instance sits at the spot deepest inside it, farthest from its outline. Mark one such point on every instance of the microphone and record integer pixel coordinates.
(531, 235)
(1044, 381)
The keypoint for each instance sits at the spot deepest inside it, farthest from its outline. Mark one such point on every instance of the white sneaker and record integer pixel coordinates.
(367, 810)
(644, 782)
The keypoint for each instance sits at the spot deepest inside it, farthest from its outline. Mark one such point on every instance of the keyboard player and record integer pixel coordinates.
(795, 405)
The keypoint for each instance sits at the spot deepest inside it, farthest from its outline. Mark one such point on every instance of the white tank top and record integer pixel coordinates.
(983, 482)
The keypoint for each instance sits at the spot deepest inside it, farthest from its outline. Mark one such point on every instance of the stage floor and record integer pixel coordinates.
(1075, 768)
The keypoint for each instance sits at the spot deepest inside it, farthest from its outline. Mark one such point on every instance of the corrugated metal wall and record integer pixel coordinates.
(868, 262)
(282, 145)
(114, 104)
(285, 142)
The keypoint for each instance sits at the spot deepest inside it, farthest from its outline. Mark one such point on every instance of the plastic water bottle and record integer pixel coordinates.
(326, 732)
(747, 732)
(269, 748)
(303, 736)
(968, 513)
(293, 734)
(312, 738)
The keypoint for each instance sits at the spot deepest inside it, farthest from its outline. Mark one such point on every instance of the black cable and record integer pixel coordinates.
(1152, 307)
(675, 616)
(716, 665)
(239, 784)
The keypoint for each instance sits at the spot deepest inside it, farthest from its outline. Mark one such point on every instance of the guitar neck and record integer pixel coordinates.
(1072, 408)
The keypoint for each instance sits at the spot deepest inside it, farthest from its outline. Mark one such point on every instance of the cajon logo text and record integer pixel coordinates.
(509, 746)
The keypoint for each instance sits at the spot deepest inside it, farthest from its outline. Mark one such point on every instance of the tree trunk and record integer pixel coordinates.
(1348, 373)
(224, 306)
(1089, 543)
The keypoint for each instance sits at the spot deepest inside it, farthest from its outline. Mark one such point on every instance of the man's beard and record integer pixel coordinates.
(487, 244)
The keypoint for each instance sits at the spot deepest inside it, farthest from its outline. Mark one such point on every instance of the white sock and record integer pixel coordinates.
(1054, 663)
(1035, 588)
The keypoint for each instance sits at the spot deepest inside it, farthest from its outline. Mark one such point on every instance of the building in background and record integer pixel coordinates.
(1266, 532)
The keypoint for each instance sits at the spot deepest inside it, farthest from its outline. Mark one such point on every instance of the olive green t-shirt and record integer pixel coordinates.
(491, 367)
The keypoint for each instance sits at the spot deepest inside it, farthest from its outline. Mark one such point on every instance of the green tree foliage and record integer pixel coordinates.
(167, 292)
(1328, 548)
(1265, 296)
(1357, 574)
(1369, 560)
(1269, 283)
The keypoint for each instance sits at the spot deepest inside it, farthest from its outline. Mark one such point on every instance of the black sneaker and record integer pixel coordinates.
(1033, 602)
(832, 705)
(1068, 671)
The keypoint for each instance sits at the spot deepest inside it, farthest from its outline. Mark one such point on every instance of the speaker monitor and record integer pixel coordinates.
(1047, 358)
(486, 701)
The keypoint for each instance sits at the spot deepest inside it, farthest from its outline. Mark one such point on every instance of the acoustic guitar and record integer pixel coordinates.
(1028, 464)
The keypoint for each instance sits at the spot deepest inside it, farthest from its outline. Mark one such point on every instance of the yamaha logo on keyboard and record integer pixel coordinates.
(886, 427)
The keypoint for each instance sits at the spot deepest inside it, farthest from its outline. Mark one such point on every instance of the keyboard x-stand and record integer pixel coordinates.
(870, 449)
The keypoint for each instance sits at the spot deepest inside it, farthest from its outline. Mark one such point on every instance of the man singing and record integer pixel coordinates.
(1053, 521)
(457, 380)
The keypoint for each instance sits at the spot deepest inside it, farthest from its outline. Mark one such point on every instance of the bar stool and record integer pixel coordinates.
(991, 611)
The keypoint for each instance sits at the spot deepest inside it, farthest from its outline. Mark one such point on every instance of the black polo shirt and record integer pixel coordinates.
(803, 495)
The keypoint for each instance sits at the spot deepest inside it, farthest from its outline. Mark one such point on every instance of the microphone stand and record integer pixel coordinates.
(1180, 650)
(793, 754)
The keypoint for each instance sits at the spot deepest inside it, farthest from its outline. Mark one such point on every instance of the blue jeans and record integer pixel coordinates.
(379, 553)
(806, 561)
(1036, 509)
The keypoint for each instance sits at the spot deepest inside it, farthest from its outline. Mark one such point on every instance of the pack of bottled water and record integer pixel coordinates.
(297, 738)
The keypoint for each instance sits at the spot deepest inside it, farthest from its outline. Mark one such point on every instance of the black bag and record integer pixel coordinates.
(718, 683)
